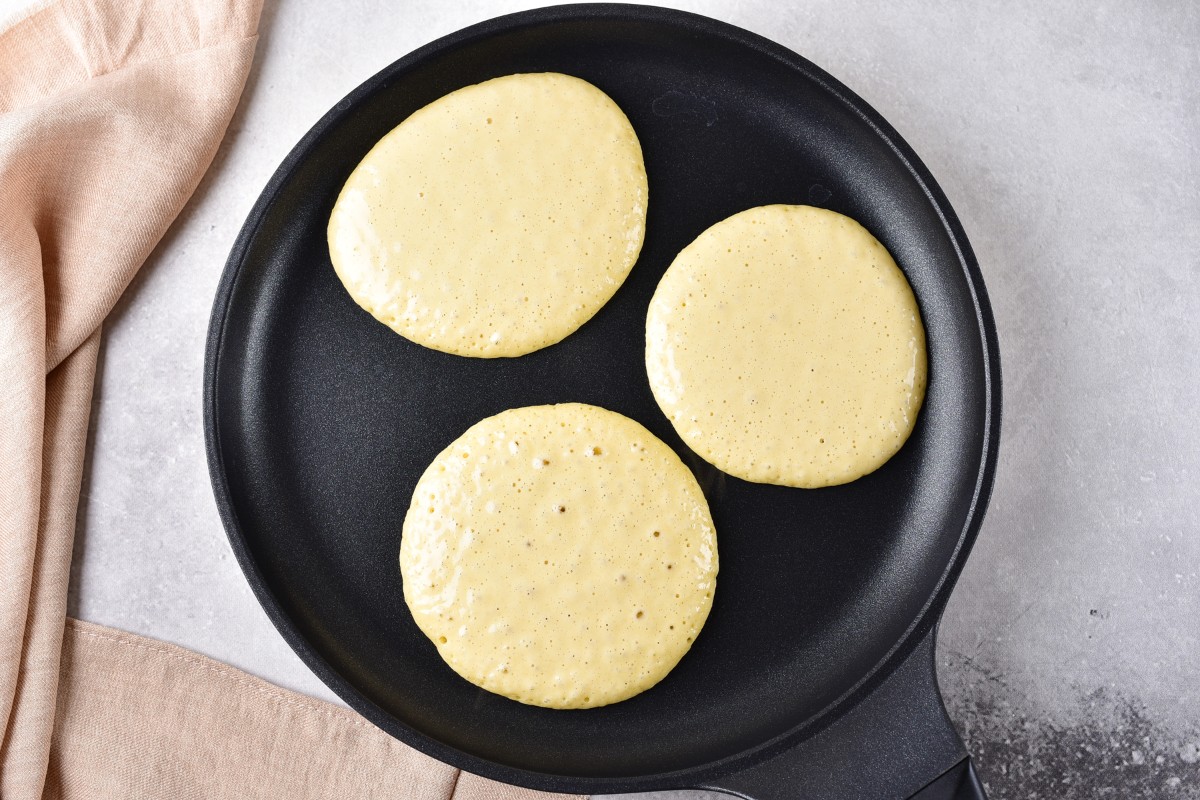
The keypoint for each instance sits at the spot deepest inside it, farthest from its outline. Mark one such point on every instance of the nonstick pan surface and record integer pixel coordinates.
(320, 420)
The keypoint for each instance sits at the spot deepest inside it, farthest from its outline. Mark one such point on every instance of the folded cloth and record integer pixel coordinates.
(110, 113)
(226, 734)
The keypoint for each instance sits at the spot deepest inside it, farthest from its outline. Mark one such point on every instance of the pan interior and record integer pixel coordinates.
(325, 419)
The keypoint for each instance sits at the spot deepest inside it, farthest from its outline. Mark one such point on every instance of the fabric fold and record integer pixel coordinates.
(26, 746)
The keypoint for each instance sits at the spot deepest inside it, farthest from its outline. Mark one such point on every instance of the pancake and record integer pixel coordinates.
(496, 220)
(561, 556)
(786, 347)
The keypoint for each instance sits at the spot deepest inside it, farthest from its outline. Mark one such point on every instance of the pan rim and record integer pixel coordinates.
(926, 619)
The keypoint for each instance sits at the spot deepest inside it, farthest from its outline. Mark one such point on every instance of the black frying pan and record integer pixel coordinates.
(814, 675)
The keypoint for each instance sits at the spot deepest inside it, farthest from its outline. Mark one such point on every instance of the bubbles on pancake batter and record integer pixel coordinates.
(578, 584)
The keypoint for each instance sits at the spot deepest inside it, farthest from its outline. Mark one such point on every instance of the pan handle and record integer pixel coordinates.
(896, 743)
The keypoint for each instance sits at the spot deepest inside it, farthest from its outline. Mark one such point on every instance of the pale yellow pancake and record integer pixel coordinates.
(496, 220)
(786, 347)
(561, 556)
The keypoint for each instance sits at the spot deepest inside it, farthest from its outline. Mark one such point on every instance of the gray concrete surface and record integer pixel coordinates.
(1066, 136)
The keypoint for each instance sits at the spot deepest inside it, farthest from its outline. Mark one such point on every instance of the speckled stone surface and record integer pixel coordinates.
(1066, 135)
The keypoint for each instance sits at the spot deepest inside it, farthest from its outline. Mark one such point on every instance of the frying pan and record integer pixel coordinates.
(814, 676)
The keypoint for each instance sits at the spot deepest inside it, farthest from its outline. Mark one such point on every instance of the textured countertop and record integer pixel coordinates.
(1067, 137)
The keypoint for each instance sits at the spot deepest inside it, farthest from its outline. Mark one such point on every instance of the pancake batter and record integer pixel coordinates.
(561, 556)
(496, 220)
(786, 347)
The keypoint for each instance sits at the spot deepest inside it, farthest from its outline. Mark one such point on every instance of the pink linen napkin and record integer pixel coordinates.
(110, 112)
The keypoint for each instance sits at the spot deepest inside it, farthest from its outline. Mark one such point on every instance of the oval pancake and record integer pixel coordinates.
(786, 347)
(561, 556)
(497, 219)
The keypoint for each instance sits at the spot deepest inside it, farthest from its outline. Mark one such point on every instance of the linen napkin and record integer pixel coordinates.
(110, 112)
